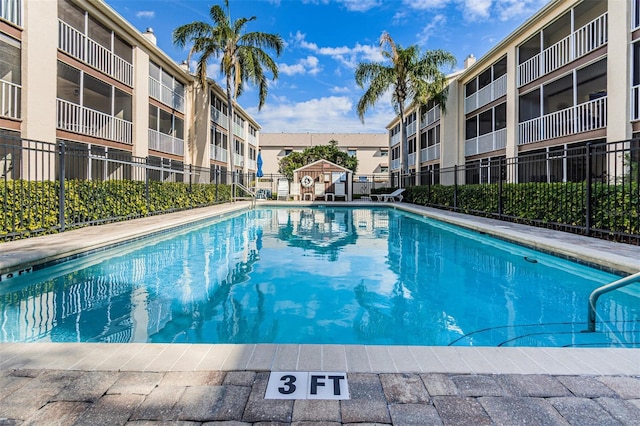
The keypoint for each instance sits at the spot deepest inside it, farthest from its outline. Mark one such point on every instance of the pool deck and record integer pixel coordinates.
(143, 384)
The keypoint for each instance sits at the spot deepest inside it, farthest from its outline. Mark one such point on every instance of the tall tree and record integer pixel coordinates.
(412, 77)
(242, 56)
(330, 152)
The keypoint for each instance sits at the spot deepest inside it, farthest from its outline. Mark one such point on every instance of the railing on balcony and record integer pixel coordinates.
(635, 103)
(395, 139)
(218, 153)
(430, 153)
(78, 119)
(411, 128)
(585, 117)
(166, 95)
(486, 143)
(10, 99)
(577, 44)
(251, 164)
(219, 118)
(395, 164)
(411, 159)
(11, 10)
(252, 140)
(238, 130)
(162, 142)
(85, 49)
(430, 117)
(238, 160)
(487, 94)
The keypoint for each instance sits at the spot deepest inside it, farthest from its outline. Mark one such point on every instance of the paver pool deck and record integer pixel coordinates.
(140, 383)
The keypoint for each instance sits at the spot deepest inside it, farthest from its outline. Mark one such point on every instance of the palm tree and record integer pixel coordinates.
(241, 54)
(413, 79)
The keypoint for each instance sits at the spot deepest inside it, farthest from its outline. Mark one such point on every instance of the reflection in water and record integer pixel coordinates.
(328, 275)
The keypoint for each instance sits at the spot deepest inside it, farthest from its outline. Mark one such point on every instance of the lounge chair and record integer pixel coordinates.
(394, 196)
(283, 189)
(338, 188)
(318, 191)
(294, 193)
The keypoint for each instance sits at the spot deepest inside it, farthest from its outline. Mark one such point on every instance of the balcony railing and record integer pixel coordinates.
(411, 159)
(486, 143)
(166, 95)
(585, 117)
(251, 164)
(238, 160)
(252, 140)
(395, 164)
(87, 50)
(219, 118)
(487, 94)
(577, 44)
(395, 139)
(162, 142)
(218, 153)
(635, 103)
(411, 128)
(11, 10)
(238, 130)
(78, 119)
(430, 153)
(430, 117)
(10, 99)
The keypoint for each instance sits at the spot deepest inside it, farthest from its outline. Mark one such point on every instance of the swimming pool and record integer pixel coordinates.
(322, 275)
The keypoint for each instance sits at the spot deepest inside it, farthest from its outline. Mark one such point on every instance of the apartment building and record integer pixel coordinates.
(92, 80)
(371, 149)
(567, 76)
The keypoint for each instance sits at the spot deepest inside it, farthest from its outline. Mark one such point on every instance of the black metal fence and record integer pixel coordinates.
(591, 190)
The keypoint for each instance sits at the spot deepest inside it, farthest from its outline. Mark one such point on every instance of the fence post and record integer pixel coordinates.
(217, 179)
(589, 207)
(455, 187)
(146, 183)
(61, 178)
(500, 177)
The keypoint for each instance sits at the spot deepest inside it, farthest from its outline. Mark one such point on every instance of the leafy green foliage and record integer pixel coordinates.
(33, 207)
(330, 152)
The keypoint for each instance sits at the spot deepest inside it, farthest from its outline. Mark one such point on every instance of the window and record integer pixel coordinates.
(352, 152)
(500, 116)
(529, 105)
(287, 151)
(9, 59)
(471, 87)
(558, 94)
(68, 85)
(485, 122)
(471, 127)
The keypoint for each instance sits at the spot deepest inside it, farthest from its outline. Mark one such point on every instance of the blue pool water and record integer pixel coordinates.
(321, 275)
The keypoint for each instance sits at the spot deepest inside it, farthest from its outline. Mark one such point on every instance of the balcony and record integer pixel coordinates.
(411, 128)
(238, 160)
(252, 140)
(581, 118)
(11, 10)
(251, 164)
(395, 164)
(219, 118)
(95, 55)
(577, 44)
(238, 130)
(486, 143)
(10, 100)
(430, 153)
(166, 95)
(430, 117)
(217, 153)
(78, 119)
(162, 142)
(395, 139)
(635, 103)
(486, 95)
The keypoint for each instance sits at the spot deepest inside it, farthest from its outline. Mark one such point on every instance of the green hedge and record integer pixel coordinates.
(33, 207)
(614, 208)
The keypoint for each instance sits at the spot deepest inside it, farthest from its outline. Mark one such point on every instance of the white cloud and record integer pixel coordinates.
(425, 4)
(308, 65)
(337, 90)
(146, 14)
(474, 10)
(511, 9)
(321, 115)
(348, 56)
(360, 5)
(436, 23)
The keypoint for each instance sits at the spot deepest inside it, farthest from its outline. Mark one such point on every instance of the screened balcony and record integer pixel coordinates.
(89, 51)
(165, 88)
(584, 40)
(486, 95)
(251, 164)
(11, 10)
(218, 153)
(395, 164)
(238, 160)
(86, 121)
(219, 118)
(430, 117)
(10, 100)
(430, 153)
(395, 139)
(581, 118)
(486, 143)
(162, 142)
(238, 129)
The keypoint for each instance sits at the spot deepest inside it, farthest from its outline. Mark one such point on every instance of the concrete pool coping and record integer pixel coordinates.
(21, 254)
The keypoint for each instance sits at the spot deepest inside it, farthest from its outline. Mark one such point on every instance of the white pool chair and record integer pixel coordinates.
(394, 196)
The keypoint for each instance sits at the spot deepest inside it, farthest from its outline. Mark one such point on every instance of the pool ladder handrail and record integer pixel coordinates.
(252, 195)
(595, 294)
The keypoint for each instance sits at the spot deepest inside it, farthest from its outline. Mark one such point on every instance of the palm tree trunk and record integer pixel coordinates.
(404, 165)
(230, 140)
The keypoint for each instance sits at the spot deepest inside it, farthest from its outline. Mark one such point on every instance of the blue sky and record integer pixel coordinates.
(326, 39)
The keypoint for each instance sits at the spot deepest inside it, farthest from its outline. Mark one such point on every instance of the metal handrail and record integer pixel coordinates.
(595, 294)
(252, 195)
